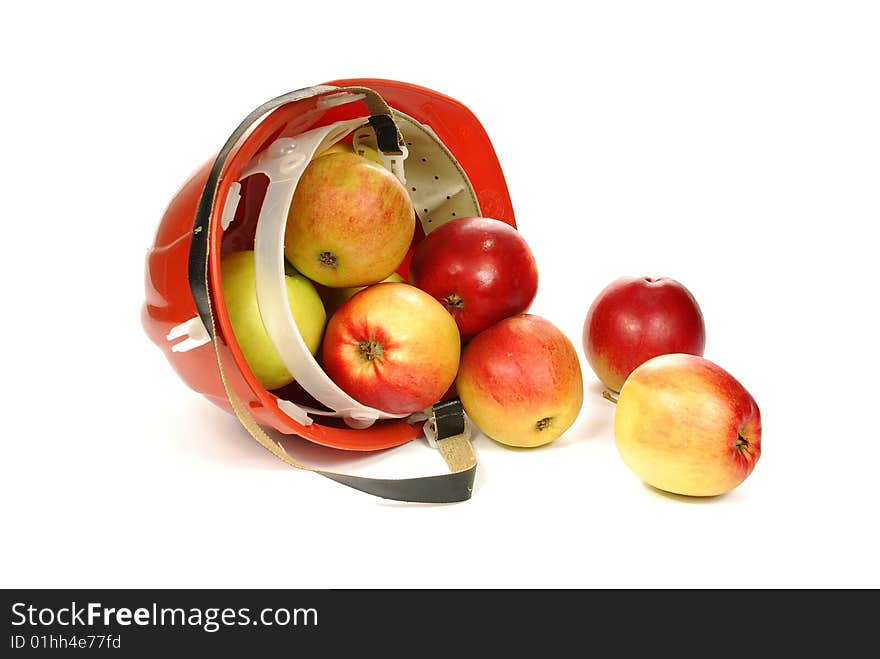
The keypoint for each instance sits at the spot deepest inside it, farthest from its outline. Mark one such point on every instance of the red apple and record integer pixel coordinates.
(636, 318)
(351, 222)
(481, 269)
(392, 347)
(685, 425)
(520, 381)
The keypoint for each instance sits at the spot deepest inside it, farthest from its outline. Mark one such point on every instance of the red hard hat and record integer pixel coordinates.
(216, 211)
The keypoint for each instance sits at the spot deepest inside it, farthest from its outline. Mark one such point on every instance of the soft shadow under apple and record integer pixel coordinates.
(727, 497)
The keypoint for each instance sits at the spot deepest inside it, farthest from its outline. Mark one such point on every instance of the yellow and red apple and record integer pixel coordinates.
(520, 381)
(685, 425)
(392, 347)
(345, 146)
(350, 223)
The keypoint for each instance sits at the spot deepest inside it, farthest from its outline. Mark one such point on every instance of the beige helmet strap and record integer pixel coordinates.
(388, 135)
(456, 450)
(455, 447)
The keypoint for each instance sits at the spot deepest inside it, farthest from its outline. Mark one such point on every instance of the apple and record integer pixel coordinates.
(636, 318)
(345, 146)
(481, 269)
(685, 425)
(392, 347)
(520, 381)
(335, 297)
(350, 223)
(240, 291)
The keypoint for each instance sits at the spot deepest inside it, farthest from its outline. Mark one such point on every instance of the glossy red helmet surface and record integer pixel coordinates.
(169, 300)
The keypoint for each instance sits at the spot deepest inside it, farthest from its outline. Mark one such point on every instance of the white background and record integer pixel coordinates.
(732, 146)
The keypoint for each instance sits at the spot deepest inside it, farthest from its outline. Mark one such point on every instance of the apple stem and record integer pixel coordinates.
(453, 301)
(607, 395)
(370, 350)
(328, 258)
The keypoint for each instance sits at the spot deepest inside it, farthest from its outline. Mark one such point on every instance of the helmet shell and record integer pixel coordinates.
(169, 302)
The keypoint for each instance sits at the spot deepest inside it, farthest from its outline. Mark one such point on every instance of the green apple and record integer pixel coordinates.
(335, 297)
(240, 291)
